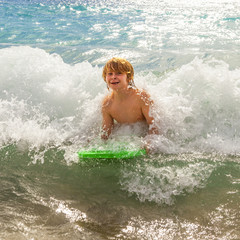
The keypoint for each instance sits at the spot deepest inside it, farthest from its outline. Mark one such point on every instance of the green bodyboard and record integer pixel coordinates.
(111, 154)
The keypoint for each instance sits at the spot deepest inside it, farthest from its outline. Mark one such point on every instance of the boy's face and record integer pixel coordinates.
(116, 80)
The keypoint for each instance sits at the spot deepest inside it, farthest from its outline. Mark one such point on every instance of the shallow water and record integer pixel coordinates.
(185, 54)
(163, 197)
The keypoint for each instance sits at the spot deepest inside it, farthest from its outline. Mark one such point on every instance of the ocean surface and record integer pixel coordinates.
(186, 54)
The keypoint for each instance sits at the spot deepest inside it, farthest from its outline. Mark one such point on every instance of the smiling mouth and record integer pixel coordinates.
(114, 83)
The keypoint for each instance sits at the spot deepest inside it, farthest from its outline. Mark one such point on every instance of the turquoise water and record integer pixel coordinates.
(185, 54)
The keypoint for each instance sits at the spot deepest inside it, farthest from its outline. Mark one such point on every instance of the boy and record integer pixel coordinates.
(126, 104)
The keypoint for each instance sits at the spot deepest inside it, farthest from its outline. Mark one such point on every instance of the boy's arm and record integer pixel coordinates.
(146, 104)
(107, 123)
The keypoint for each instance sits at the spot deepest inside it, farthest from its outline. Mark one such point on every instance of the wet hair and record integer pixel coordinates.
(119, 65)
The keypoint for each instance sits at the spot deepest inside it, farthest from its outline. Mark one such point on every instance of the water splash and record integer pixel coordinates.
(162, 184)
(46, 101)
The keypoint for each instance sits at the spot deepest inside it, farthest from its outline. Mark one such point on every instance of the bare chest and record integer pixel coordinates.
(127, 112)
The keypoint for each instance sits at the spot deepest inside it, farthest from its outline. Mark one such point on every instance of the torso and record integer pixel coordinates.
(128, 110)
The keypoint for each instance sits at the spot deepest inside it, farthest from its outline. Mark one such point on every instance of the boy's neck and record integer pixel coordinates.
(122, 93)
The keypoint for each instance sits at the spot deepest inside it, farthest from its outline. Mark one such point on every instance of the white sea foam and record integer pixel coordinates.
(198, 106)
(45, 100)
(162, 184)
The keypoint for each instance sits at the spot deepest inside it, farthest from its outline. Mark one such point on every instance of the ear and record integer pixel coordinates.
(106, 83)
(131, 83)
(107, 86)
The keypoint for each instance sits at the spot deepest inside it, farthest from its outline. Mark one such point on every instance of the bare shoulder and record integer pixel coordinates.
(106, 103)
(145, 98)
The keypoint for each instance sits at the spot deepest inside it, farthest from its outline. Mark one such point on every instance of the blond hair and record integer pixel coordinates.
(119, 65)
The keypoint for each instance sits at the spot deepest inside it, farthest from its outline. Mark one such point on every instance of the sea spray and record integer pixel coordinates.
(195, 106)
(44, 79)
(44, 101)
(199, 105)
(161, 184)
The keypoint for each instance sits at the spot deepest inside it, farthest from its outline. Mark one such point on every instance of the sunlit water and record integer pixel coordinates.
(185, 54)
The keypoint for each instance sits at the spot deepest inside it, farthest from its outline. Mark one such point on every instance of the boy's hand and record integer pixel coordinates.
(146, 147)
